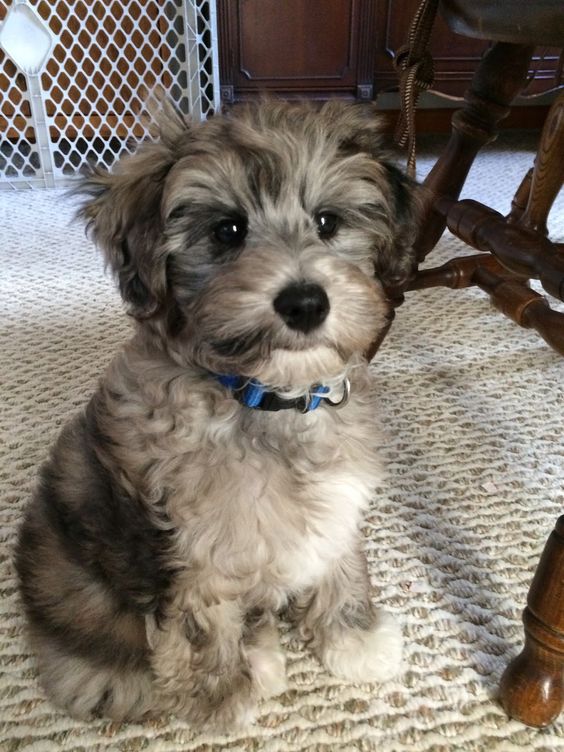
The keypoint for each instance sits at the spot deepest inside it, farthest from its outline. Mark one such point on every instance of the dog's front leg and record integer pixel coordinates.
(353, 639)
(199, 664)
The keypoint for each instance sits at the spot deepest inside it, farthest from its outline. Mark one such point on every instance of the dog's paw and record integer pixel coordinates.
(268, 670)
(363, 656)
(234, 707)
(235, 714)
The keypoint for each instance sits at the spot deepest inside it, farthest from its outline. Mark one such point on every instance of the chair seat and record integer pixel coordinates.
(536, 22)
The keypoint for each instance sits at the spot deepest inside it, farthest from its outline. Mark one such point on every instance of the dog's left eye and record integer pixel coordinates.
(231, 232)
(327, 224)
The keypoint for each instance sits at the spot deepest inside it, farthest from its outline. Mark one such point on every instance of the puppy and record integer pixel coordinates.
(219, 474)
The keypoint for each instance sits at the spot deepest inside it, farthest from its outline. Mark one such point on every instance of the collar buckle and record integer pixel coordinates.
(344, 399)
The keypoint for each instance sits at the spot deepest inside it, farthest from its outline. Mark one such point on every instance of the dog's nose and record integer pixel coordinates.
(302, 305)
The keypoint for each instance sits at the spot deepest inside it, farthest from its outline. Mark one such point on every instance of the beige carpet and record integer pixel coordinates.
(474, 412)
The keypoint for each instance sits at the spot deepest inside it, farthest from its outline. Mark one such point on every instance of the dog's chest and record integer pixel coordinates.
(269, 513)
(281, 532)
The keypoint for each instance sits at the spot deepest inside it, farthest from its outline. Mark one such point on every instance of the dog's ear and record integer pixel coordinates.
(395, 261)
(358, 128)
(123, 212)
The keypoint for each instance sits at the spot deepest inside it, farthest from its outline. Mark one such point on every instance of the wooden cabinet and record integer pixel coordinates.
(455, 57)
(345, 48)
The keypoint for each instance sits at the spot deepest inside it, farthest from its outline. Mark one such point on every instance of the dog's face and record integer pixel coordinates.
(250, 243)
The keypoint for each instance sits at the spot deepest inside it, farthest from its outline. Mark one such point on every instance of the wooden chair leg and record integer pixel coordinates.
(548, 173)
(532, 687)
(497, 81)
(520, 199)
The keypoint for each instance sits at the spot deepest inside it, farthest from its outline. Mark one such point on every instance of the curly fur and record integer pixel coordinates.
(171, 524)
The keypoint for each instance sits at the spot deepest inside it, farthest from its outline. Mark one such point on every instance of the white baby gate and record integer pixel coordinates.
(74, 76)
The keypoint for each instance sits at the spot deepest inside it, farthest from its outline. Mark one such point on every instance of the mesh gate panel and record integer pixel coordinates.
(105, 60)
(18, 154)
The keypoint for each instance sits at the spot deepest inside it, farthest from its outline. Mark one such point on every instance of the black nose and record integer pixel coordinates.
(302, 305)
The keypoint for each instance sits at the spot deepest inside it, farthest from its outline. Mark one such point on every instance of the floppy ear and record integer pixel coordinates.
(396, 262)
(358, 128)
(123, 212)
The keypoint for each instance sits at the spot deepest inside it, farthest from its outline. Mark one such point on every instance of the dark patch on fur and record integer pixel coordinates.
(195, 633)
(107, 537)
(254, 619)
(263, 175)
(185, 277)
(395, 267)
(103, 703)
(238, 346)
(175, 320)
(130, 549)
(358, 615)
(262, 165)
(402, 191)
(97, 645)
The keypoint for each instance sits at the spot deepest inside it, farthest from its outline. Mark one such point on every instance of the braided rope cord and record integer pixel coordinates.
(416, 73)
(414, 64)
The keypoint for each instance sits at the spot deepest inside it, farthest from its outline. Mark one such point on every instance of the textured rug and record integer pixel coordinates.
(473, 410)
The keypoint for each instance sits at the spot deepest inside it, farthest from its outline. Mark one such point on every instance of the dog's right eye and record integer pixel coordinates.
(231, 232)
(327, 224)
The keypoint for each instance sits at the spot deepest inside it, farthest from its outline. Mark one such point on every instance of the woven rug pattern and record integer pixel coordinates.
(472, 409)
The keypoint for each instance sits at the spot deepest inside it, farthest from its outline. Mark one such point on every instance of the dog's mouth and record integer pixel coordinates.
(259, 352)
(300, 368)
(242, 345)
(280, 355)
(274, 355)
(263, 341)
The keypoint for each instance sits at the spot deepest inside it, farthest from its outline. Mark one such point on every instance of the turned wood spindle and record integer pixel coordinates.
(500, 76)
(524, 306)
(532, 687)
(548, 173)
(455, 274)
(521, 198)
(522, 251)
(375, 346)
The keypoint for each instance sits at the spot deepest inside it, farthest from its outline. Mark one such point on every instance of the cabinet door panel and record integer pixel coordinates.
(345, 48)
(289, 41)
(314, 48)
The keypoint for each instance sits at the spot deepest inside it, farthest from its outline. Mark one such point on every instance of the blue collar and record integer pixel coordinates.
(252, 393)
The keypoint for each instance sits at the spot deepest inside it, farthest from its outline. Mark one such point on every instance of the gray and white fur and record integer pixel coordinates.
(172, 524)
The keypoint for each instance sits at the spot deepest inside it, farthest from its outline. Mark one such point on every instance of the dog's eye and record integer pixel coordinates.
(327, 224)
(231, 232)
(177, 213)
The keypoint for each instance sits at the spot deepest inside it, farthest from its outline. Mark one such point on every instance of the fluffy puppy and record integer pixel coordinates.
(211, 482)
